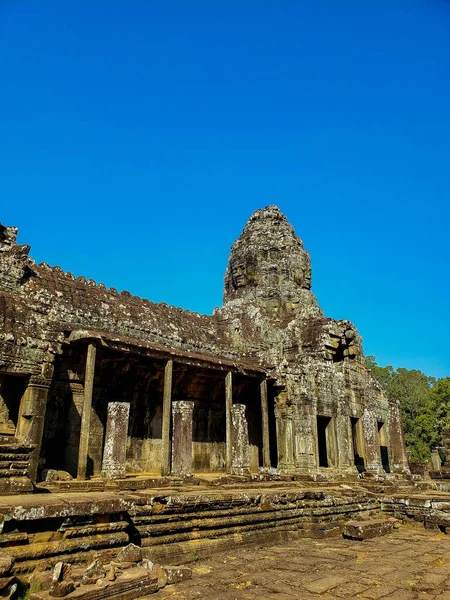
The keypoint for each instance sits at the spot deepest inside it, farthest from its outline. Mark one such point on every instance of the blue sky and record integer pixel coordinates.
(136, 138)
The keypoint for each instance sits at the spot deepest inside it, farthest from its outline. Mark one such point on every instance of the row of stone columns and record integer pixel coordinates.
(176, 453)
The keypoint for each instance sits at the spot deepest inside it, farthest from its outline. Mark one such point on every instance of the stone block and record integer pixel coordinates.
(6, 563)
(177, 574)
(364, 530)
(130, 554)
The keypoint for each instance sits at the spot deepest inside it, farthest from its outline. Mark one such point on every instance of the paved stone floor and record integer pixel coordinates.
(410, 563)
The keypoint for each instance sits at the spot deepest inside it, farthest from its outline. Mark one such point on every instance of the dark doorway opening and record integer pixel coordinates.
(383, 446)
(356, 441)
(12, 388)
(322, 424)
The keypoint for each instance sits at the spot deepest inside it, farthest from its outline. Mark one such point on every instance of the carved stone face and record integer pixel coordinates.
(239, 275)
(268, 262)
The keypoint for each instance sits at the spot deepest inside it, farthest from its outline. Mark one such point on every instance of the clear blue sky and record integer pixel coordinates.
(136, 138)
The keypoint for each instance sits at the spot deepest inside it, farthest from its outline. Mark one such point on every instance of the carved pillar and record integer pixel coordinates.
(115, 451)
(74, 416)
(304, 436)
(31, 419)
(399, 459)
(87, 407)
(228, 405)
(167, 401)
(239, 441)
(265, 425)
(371, 442)
(344, 441)
(182, 412)
(284, 417)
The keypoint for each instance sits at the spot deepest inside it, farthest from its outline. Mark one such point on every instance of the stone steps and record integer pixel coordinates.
(14, 464)
(365, 530)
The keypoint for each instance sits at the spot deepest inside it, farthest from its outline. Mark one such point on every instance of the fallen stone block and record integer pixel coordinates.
(177, 574)
(59, 589)
(6, 563)
(364, 530)
(134, 583)
(130, 553)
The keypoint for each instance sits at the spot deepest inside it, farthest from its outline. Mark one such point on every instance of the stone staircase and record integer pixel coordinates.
(14, 463)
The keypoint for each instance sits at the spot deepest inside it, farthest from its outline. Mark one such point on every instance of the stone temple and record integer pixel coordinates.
(104, 384)
(133, 433)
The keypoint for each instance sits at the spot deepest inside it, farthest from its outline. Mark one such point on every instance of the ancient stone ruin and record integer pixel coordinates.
(96, 383)
(123, 421)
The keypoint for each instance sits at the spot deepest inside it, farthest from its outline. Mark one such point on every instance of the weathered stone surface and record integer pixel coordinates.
(59, 589)
(364, 530)
(54, 475)
(115, 450)
(6, 563)
(130, 553)
(240, 464)
(160, 574)
(182, 412)
(177, 574)
(93, 571)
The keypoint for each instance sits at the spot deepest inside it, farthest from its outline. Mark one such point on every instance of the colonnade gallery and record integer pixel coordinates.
(96, 383)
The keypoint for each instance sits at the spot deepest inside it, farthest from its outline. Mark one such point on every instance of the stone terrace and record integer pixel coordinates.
(409, 564)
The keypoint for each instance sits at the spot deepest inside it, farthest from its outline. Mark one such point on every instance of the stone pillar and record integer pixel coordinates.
(167, 401)
(87, 407)
(305, 438)
(228, 406)
(265, 425)
(371, 442)
(399, 459)
(240, 464)
(436, 462)
(115, 451)
(344, 440)
(31, 419)
(284, 417)
(182, 412)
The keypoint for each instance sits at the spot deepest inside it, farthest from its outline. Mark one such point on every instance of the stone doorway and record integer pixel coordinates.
(357, 443)
(326, 441)
(12, 388)
(384, 451)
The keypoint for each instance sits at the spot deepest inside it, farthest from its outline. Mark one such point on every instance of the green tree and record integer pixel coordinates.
(424, 402)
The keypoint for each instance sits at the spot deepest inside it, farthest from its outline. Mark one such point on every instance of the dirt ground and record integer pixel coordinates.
(408, 564)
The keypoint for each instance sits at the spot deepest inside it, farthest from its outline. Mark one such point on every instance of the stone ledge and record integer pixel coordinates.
(364, 530)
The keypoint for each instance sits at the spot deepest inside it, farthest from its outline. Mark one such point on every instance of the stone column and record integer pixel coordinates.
(228, 405)
(399, 459)
(344, 440)
(167, 401)
(284, 417)
(371, 442)
(182, 412)
(265, 425)
(305, 440)
(87, 407)
(31, 419)
(240, 464)
(115, 451)
(74, 415)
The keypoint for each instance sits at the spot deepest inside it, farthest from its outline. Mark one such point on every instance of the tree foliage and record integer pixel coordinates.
(424, 402)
